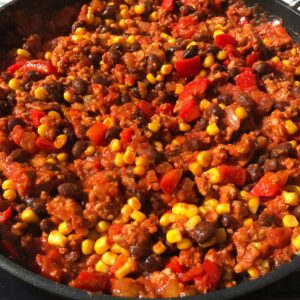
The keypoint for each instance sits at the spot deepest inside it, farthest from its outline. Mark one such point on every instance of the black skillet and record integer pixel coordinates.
(278, 10)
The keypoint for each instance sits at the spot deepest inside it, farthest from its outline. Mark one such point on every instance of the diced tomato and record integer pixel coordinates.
(191, 274)
(186, 27)
(175, 266)
(196, 87)
(9, 249)
(90, 281)
(213, 273)
(270, 184)
(146, 108)
(232, 51)
(114, 229)
(15, 67)
(170, 180)
(252, 58)
(5, 215)
(232, 174)
(168, 5)
(126, 135)
(120, 261)
(245, 80)
(17, 134)
(44, 144)
(165, 108)
(41, 66)
(190, 110)
(189, 67)
(225, 39)
(96, 133)
(279, 237)
(36, 116)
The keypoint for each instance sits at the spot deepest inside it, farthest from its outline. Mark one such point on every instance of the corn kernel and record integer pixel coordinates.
(150, 77)
(293, 143)
(138, 216)
(109, 122)
(141, 161)
(244, 195)
(24, 53)
(8, 185)
(29, 216)
(204, 159)
(90, 17)
(129, 156)
(166, 69)
(134, 203)
(218, 32)
(87, 246)
(203, 73)
(123, 23)
(123, 271)
(51, 161)
(184, 209)
(291, 198)
(210, 243)
(15, 84)
(48, 55)
(241, 113)
(119, 162)
(211, 202)
(55, 238)
(221, 235)
(173, 236)
(126, 210)
(116, 248)
(42, 130)
(166, 219)
(40, 93)
(101, 245)
(212, 129)
(253, 204)
(68, 97)
(204, 104)
(195, 168)
(286, 63)
(222, 55)
(192, 223)
(9, 195)
(297, 71)
(159, 248)
(296, 242)
(102, 267)
(179, 88)
(223, 208)
(214, 176)
(172, 41)
(124, 13)
(139, 171)
(222, 105)
(102, 226)
(154, 126)
(184, 127)
(60, 141)
(184, 244)
(153, 16)
(53, 114)
(253, 272)
(208, 61)
(290, 221)
(140, 9)
(115, 145)
(248, 221)
(276, 59)
(290, 127)
(109, 258)
(294, 52)
(160, 77)
(65, 228)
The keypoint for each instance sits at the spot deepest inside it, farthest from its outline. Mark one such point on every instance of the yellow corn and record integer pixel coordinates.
(119, 162)
(90, 17)
(24, 53)
(211, 202)
(184, 244)
(212, 129)
(253, 272)
(166, 69)
(192, 223)
(296, 242)
(253, 204)
(116, 248)
(294, 52)
(166, 219)
(129, 156)
(8, 185)
(210, 243)
(102, 226)
(223, 208)
(241, 113)
(214, 175)
(222, 55)
(60, 141)
(172, 41)
(54, 114)
(141, 161)
(140, 9)
(293, 143)
(204, 159)
(244, 195)
(42, 130)
(195, 168)
(290, 127)
(109, 258)
(138, 216)
(153, 16)
(126, 210)
(29, 216)
(208, 61)
(115, 145)
(217, 32)
(68, 97)
(291, 198)
(55, 238)
(90, 150)
(87, 246)
(276, 59)
(40, 93)
(124, 13)
(139, 171)
(65, 228)
(221, 235)
(51, 161)
(186, 210)
(9, 195)
(184, 126)
(109, 122)
(101, 245)
(134, 203)
(248, 221)
(159, 248)
(15, 84)
(290, 221)
(150, 77)
(179, 88)
(48, 55)
(101, 267)
(203, 73)
(286, 63)
(154, 126)
(173, 236)
(297, 71)
(123, 271)
(204, 104)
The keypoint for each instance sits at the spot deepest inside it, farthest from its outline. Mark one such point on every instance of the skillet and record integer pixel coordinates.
(277, 10)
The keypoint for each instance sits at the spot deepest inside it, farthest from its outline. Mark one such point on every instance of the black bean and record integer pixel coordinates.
(226, 221)
(246, 102)
(5, 108)
(19, 155)
(14, 122)
(34, 76)
(232, 72)
(295, 91)
(249, 187)
(194, 144)
(47, 225)
(255, 172)
(51, 167)
(226, 99)
(125, 98)
(261, 68)
(100, 79)
(80, 86)
(38, 205)
(282, 150)
(214, 49)
(270, 165)
(280, 105)
(109, 12)
(154, 63)
(296, 212)
(136, 46)
(95, 58)
(152, 263)
(28, 86)
(70, 176)
(141, 248)
(55, 90)
(6, 76)
(265, 219)
(201, 124)
(201, 36)
(203, 232)
(117, 46)
(114, 55)
(191, 51)
(112, 133)
(262, 158)
(170, 51)
(109, 29)
(79, 147)
(214, 109)
(69, 190)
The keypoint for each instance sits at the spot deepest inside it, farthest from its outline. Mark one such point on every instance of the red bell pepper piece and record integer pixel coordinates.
(190, 110)
(91, 281)
(5, 215)
(270, 184)
(17, 134)
(168, 5)
(189, 67)
(36, 116)
(114, 229)
(225, 39)
(96, 133)
(252, 58)
(170, 180)
(41, 66)
(186, 27)
(175, 266)
(213, 273)
(146, 108)
(196, 87)
(245, 80)
(44, 144)
(232, 174)
(126, 135)
(191, 274)
(15, 67)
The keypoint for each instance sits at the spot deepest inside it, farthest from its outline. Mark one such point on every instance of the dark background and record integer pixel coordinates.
(12, 288)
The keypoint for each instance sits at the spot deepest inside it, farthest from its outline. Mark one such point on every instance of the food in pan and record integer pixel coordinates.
(153, 151)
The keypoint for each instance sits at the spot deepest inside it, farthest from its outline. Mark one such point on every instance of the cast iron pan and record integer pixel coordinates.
(276, 9)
